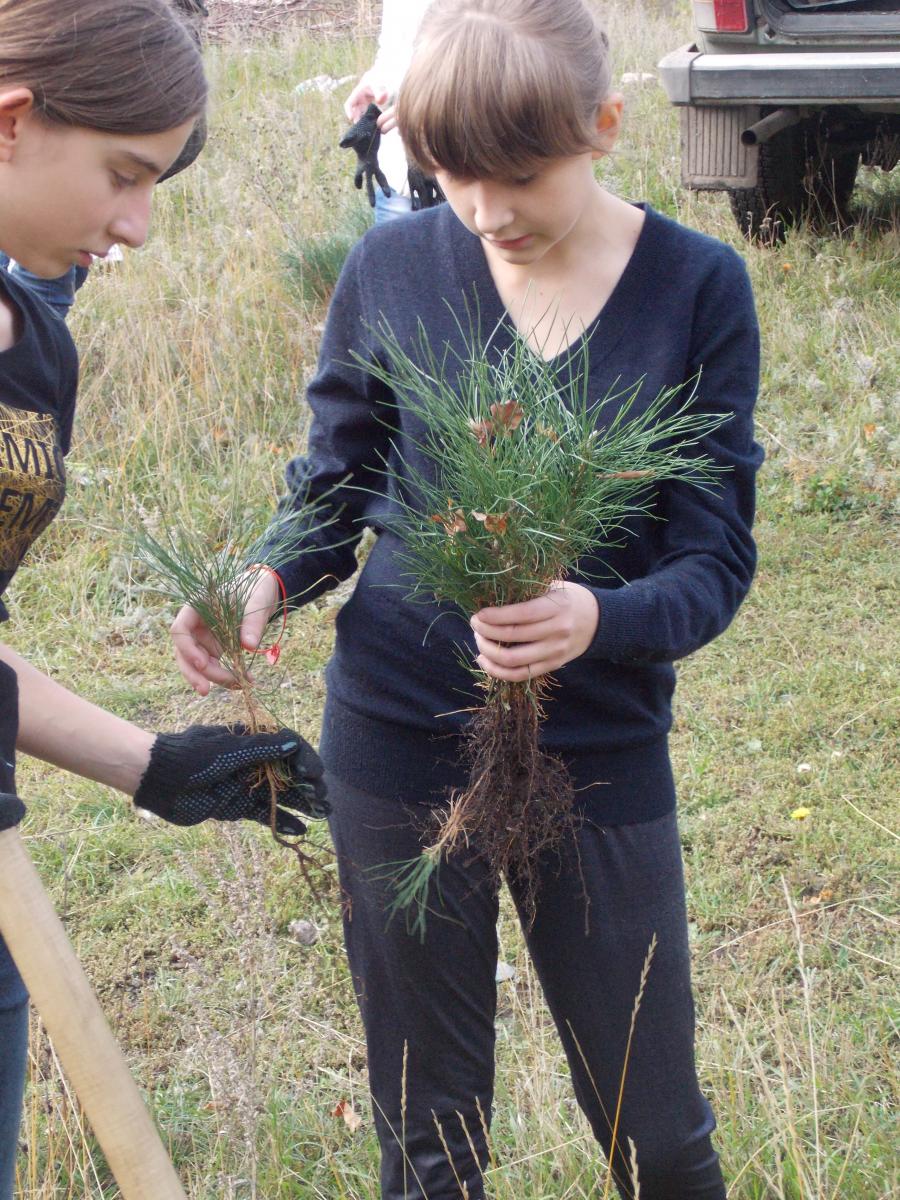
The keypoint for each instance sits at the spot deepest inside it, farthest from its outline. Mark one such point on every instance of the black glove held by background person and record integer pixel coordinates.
(424, 192)
(365, 137)
(214, 771)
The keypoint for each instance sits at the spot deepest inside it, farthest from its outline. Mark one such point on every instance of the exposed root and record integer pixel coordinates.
(517, 806)
(272, 776)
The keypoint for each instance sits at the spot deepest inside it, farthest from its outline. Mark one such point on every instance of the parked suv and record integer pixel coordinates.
(781, 100)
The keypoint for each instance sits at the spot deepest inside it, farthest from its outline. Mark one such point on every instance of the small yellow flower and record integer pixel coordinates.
(801, 813)
(786, 267)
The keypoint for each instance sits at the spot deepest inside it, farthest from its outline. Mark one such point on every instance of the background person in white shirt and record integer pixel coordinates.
(400, 20)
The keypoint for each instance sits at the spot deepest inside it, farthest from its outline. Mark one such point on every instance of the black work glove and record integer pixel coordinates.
(424, 192)
(365, 137)
(214, 771)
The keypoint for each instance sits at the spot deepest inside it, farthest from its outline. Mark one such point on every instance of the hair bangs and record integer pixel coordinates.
(479, 103)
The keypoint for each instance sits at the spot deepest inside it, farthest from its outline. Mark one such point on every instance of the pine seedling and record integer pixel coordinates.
(526, 473)
(218, 585)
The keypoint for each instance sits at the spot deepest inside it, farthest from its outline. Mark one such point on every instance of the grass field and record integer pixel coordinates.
(246, 1039)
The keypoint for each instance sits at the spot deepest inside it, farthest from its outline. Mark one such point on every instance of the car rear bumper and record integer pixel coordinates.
(866, 78)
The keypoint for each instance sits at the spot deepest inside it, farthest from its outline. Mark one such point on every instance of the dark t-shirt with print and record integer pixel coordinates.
(38, 383)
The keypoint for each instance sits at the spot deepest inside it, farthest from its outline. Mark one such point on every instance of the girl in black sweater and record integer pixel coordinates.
(507, 102)
(98, 99)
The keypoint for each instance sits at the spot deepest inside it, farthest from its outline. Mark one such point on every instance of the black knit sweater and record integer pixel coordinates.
(396, 686)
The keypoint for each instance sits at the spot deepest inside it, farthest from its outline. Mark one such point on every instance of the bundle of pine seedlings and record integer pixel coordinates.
(526, 472)
(218, 584)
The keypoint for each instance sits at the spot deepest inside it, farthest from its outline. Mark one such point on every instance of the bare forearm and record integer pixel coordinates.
(61, 728)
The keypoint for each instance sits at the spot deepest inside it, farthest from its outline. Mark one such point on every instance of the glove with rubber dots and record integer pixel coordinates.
(424, 191)
(365, 138)
(214, 771)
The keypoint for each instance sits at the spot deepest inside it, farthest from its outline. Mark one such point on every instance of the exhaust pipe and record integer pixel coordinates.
(765, 129)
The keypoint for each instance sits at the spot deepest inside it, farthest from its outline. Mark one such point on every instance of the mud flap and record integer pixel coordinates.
(713, 158)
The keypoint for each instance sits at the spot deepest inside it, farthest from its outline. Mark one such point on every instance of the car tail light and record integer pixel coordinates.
(721, 16)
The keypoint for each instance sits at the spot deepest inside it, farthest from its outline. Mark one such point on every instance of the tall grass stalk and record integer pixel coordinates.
(807, 1012)
(645, 973)
(65, 1166)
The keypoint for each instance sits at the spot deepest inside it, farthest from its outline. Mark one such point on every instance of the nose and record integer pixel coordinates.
(132, 221)
(493, 212)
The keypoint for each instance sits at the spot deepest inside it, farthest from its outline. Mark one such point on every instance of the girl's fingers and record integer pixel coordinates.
(518, 674)
(558, 626)
(513, 657)
(197, 652)
(527, 613)
(261, 603)
(190, 625)
(198, 667)
(187, 666)
(536, 631)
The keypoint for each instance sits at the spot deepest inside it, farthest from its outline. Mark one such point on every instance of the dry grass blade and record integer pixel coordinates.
(645, 973)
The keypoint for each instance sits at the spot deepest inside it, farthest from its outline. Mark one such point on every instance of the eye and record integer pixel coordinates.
(122, 181)
(524, 181)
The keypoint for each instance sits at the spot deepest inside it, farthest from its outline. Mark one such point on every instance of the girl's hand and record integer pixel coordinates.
(198, 653)
(519, 642)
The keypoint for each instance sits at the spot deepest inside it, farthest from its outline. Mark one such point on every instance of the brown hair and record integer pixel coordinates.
(119, 66)
(496, 87)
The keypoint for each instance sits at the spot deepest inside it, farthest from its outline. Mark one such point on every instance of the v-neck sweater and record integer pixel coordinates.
(398, 688)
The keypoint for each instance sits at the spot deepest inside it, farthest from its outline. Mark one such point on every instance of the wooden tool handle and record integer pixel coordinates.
(89, 1053)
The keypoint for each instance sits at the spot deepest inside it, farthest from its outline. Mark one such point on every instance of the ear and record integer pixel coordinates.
(15, 105)
(608, 123)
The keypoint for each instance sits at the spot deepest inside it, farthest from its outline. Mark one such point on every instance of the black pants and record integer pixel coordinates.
(428, 1007)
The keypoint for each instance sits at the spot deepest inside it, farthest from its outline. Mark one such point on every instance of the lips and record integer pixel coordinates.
(511, 243)
(86, 257)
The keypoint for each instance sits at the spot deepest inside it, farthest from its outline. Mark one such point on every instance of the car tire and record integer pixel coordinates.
(801, 177)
